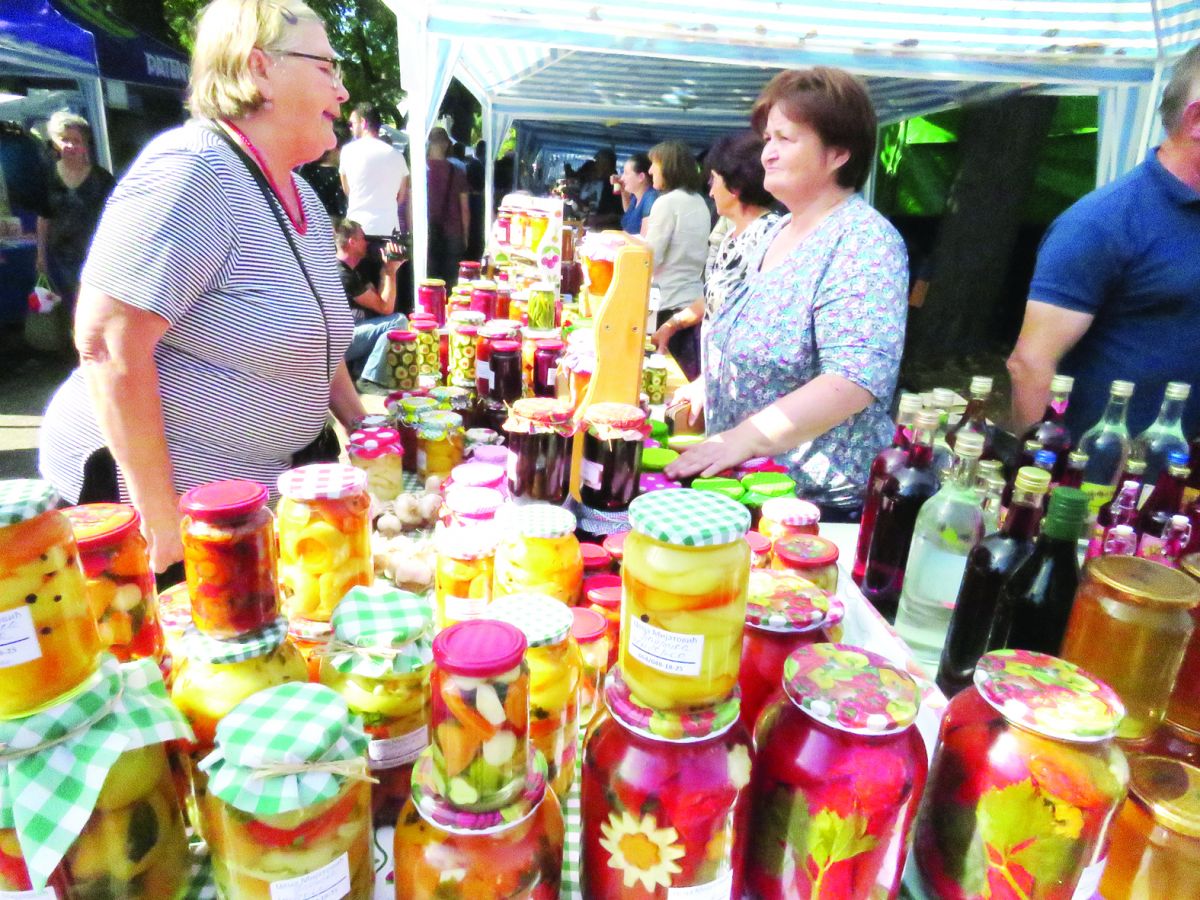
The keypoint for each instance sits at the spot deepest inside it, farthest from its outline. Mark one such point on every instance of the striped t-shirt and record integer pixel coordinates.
(244, 368)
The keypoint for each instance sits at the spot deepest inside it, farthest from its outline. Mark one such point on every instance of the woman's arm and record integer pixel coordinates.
(344, 402)
(690, 315)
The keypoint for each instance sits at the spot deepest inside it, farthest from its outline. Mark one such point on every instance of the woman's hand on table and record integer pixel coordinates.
(716, 455)
(161, 528)
(692, 396)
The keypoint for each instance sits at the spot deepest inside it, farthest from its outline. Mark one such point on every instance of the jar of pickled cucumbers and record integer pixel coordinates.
(403, 359)
(784, 517)
(428, 366)
(539, 435)
(287, 812)
(411, 409)
(439, 443)
(684, 576)
(324, 537)
(463, 574)
(809, 556)
(538, 553)
(379, 661)
(49, 643)
(462, 353)
(380, 453)
(612, 455)
(555, 667)
(119, 583)
(310, 639)
(1025, 781)
(229, 557)
(589, 630)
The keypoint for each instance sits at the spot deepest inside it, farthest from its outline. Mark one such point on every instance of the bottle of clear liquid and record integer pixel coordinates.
(1165, 434)
(1051, 432)
(973, 418)
(1107, 446)
(993, 503)
(942, 400)
(986, 470)
(949, 525)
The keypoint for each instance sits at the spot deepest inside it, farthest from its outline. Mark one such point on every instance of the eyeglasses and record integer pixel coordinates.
(335, 64)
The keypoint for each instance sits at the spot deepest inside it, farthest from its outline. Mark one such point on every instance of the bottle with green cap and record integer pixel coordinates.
(980, 622)
(1041, 590)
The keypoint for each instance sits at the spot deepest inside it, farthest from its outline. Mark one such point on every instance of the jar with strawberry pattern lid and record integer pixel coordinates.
(613, 434)
(479, 475)
(809, 556)
(602, 593)
(1025, 781)
(784, 517)
(666, 801)
(539, 435)
(470, 505)
(760, 550)
(403, 359)
(538, 553)
(380, 453)
(838, 774)
(431, 297)
(324, 538)
(410, 410)
(589, 630)
(440, 441)
(463, 572)
(118, 580)
(428, 365)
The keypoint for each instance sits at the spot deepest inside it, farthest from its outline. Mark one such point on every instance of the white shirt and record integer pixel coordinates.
(374, 172)
(677, 232)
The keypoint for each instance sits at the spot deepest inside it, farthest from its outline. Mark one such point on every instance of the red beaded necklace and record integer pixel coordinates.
(301, 226)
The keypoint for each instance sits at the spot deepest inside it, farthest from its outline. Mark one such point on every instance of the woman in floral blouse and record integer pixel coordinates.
(801, 359)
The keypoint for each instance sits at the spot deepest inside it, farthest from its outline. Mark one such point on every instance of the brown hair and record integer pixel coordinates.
(678, 167)
(835, 105)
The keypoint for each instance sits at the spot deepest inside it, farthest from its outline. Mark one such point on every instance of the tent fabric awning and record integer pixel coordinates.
(124, 53)
(35, 39)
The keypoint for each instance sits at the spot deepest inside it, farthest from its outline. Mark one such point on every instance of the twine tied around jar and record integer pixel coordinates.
(355, 769)
(10, 756)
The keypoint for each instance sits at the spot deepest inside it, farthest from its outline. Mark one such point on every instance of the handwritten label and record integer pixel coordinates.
(721, 889)
(390, 753)
(459, 609)
(331, 882)
(18, 638)
(591, 473)
(43, 894)
(667, 651)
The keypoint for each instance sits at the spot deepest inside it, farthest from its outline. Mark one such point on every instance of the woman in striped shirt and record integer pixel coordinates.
(210, 339)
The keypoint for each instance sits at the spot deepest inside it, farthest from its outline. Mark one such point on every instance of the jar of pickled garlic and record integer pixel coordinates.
(1024, 783)
(602, 593)
(1145, 609)
(411, 410)
(324, 537)
(783, 612)
(1154, 845)
(613, 435)
(539, 435)
(589, 630)
(431, 297)
(546, 354)
(463, 575)
(1183, 709)
(468, 506)
(288, 807)
(380, 453)
(809, 556)
(666, 801)
(538, 553)
(684, 577)
(310, 639)
(838, 751)
(118, 580)
(760, 550)
(428, 365)
(555, 667)
(50, 644)
(403, 359)
(440, 442)
(379, 662)
(462, 353)
(784, 517)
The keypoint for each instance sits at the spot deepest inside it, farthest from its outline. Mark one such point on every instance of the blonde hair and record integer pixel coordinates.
(58, 123)
(226, 32)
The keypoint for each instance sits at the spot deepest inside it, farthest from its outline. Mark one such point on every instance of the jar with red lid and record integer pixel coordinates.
(117, 579)
(428, 364)
(760, 550)
(380, 453)
(615, 545)
(596, 560)
(506, 382)
(589, 630)
(602, 593)
(539, 435)
(431, 297)
(788, 516)
(546, 354)
(530, 338)
(483, 298)
(810, 556)
(229, 558)
(489, 333)
(612, 455)
(403, 359)
(838, 774)
(468, 271)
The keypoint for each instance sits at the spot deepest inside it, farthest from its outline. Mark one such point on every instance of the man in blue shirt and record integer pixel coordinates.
(1116, 290)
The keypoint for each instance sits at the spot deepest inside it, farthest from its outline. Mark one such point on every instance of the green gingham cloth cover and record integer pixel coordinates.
(24, 498)
(49, 794)
(397, 623)
(689, 518)
(200, 646)
(293, 724)
(543, 620)
(538, 520)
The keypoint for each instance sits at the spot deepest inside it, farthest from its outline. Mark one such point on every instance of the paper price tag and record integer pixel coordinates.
(667, 651)
(331, 882)
(18, 638)
(591, 473)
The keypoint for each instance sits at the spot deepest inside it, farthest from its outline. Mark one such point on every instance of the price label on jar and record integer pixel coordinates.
(461, 608)
(331, 882)
(18, 638)
(667, 651)
(390, 753)
(591, 473)
(721, 889)
(483, 370)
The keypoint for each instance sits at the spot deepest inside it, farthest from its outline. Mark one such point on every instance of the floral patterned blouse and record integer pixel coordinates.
(837, 305)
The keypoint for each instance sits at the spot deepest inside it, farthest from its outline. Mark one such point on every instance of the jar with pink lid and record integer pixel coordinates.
(465, 505)
(380, 453)
(476, 473)
(810, 556)
(788, 516)
(760, 550)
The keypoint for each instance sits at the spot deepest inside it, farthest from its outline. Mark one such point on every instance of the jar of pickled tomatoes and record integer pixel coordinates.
(612, 455)
(538, 553)
(464, 571)
(380, 453)
(589, 630)
(539, 435)
(809, 556)
(783, 517)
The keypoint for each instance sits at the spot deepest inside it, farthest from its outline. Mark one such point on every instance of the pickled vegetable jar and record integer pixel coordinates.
(50, 644)
(428, 365)
(229, 557)
(439, 443)
(787, 516)
(175, 617)
(539, 440)
(599, 253)
(275, 827)
(654, 378)
(555, 667)
(1024, 783)
(589, 630)
(380, 453)
(666, 802)
(119, 583)
(605, 599)
(1183, 709)
(411, 409)
(403, 359)
(612, 455)
(809, 556)
(310, 639)
(462, 353)
(464, 572)
(684, 576)
(538, 553)
(837, 778)
(379, 662)
(1145, 609)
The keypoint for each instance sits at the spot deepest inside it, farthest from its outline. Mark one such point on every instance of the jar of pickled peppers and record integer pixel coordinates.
(440, 441)
(380, 453)
(538, 553)
(589, 630)
(613, 436)
(539, 435)
(809, 556)
(463, 572)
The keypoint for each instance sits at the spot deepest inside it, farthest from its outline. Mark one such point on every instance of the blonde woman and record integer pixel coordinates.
(212, 322)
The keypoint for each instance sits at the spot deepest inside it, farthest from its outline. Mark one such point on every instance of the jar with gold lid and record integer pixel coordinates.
(1183, 709)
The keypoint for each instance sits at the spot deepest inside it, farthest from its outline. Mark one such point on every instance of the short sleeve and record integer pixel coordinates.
(1078, 260)
(402, 165)
(659, 227)
(165, 237)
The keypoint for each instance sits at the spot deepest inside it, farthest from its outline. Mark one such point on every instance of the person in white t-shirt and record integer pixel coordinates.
(375, 178)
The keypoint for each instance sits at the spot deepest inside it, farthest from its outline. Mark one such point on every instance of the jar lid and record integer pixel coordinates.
(781, 601)
(433, 282)
(447, 394)
(500, 328)
(760, 464)
(438, 423)
(506, 346)
(540, 334)
(697, 725)
(543, 411)
(770, 484)
(466, 541)
(689, 518)
(397, 336)
(607, 596)
(759, 544)
(1144, 582)
(204, 648)
(479, 648)
(470, 265)
(371, 443)
(485, 286)
(433, 805)
(467, 317)
(100, 525)
(422, 325)
(791, 511)
(221, 500)
(540, 520)
(554, 345)
(322, 481)
(755, 500)
(466, 330)
(543, 620)
(1048, 695)
(492, 454)
(587, 625)
(25, 498)
(655, 459)
(473, 501)
(851, 689)
(615, 544)
(1170, 789)
(615, 416)
(806, 551)
(726, 487)
(594, 556)
(648, 482)
(381, 618)
(681, 442)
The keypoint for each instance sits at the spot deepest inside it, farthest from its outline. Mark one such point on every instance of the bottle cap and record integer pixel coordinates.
(1179, 521)
(1031, 446)
(1033, 480)
(1077, 459)
(943, 398)
(910, 403)
(969, 445)
(996, 483)
(1136, 467)
(1178, 390)
(1062, 384)
(1121, 388)
(1045, 458)
(927, 420)
(1177, 458)
(1065, 513)
(990, 467)
(981, 385)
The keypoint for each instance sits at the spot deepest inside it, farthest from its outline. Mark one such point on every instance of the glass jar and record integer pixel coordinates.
(1024, 783)
(783, 613)
(431, 297)
(589, 630)
(440, 441)
(612, 455)
(175, 617)
(575, 368)
(463, 575)
(380, 454)
(411, 410)
(1154, 847)
(51, 644)
(489, 333)
(809, 556)
(469, 506)
(760, 550)
(503, 301)
(468, 272)
(506, 383)
(428, 364)
(837, 778)
(457, 400)
(479, 475)
(684, 577)
(604, 597)
(599, 252)
(555, 667)
(118, 580)
(546, 354)
(654, 378)
(324, 537)
(403, 359)
(596, 560)
(1183, 708)
(310, 639)
(483, 298)
(1145, 609)
(540, 306)
(615, 545)
(538, 553)
(666, 802)
(783, 517)
(539, 435)
(530, 338)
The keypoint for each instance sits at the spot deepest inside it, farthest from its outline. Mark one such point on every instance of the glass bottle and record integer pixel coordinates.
(980, 622)
(1107, 445)
(1120, 541)
(1072, 476)
(993, 503)
(948, 526)
(1165, 434)
(1027, 457)
(987, 468)
(1046, 459)
(942, 400)
(1051, 432)
(1179, 533)
(973, 420)
(1120, 509)
(1164, 502)
(903, 494)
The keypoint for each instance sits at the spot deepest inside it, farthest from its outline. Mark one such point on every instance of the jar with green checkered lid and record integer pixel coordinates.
(440, 442)
(403, 359)
(288, 808)
(684, 575)
(408, 410)
(538, 553)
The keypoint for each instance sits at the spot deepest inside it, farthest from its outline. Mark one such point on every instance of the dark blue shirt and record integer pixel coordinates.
(1129, 254)
(631, 221)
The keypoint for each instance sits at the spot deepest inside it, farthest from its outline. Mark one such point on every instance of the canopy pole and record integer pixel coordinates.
(93, 94)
